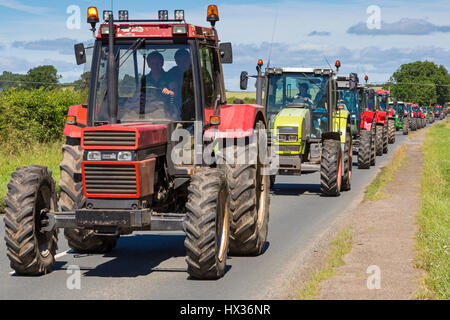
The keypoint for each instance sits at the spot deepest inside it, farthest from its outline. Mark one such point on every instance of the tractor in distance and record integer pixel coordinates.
(401, 116)
(380, 98)
(382, 101)
(310, 132)
(417, 115)
(352, 95)
(412, 116)
(144, 153)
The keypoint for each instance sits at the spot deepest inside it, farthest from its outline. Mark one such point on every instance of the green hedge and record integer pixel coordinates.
(28, 116)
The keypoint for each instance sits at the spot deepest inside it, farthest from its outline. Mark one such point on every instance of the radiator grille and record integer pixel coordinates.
(289, 148)
(109, 138)
(104, 179)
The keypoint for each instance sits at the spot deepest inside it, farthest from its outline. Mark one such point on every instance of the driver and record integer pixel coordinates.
(159, 99)
(303, 94)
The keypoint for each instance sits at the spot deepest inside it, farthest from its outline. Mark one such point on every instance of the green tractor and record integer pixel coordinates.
(309, 131)
(401, 116)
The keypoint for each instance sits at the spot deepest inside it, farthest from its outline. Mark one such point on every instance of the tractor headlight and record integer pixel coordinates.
(124, 156)
(293, 138)
(94, 156)
(281, 137)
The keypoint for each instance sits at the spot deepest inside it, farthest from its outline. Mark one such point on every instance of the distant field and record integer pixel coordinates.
(241, 94)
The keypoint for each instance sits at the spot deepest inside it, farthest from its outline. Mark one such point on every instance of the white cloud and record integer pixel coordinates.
(16, 5)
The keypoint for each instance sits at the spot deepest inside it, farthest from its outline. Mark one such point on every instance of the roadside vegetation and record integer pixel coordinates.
(248, 97)
(433, 239)
(339, 247)
(375, 191)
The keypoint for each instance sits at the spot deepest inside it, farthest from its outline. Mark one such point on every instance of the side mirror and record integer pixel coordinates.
(244, 80)
(80, 53)
(226, 52)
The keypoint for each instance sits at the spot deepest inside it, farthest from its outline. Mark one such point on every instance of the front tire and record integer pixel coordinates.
(405, 126)
(385, 139)
(207, 224)
(348, 163)
(391, 131)
(331, 168)
(72, 198)
(249, 201)
(364, 150)
(380, 140)
(31, 194)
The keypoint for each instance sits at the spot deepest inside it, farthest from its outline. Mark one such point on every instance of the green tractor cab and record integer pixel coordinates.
(309, 130)
(401, 116)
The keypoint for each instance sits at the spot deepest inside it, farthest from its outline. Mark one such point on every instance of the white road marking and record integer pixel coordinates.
(62, 254)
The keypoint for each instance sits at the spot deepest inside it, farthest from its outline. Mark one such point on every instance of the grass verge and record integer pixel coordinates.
(339, 247)
(375, 191)
(433, 239)
(44, 154)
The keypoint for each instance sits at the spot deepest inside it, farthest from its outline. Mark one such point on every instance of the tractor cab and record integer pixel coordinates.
(302, 92)
(351, 96)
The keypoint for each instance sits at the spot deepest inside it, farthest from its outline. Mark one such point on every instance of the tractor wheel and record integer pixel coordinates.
(391, 131)
(272, 181)
(331, 168)
(249, 201)
(385, 139)
(31, 195)
(71, 198)
(207, 224)
(413, 124)
(373, 143)
(379, 139)
(348, 163)
(364, 150)
(405, 126)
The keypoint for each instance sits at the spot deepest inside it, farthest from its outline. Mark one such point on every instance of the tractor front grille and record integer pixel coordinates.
(103, 179)
(284, 130)
(109, 138)
(289, 148)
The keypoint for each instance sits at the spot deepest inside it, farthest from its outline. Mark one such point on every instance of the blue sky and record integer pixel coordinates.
(304, 33)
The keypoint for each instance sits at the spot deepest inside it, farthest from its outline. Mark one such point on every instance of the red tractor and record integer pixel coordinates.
(367, 133)
(151, 151)
(381, 101)
(417, 116)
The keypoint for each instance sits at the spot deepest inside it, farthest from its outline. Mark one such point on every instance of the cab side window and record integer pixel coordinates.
(209, 75)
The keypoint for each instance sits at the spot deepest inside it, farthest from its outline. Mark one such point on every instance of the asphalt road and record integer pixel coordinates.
(152, 265)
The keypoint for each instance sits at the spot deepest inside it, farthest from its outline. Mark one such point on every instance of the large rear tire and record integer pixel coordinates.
(31, 195)
(207, 224)
(249, 201)
(71, 198)
(391, 131)
(364, 150)
(331, 168)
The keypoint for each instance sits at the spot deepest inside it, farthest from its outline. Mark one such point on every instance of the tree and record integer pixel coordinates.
(10, 80)
(42, 76)
(422, 82)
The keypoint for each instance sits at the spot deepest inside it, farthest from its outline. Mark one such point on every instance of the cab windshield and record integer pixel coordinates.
(155, 83)
(350, 99)
(381, 103)
(299, 90)
(400, 108)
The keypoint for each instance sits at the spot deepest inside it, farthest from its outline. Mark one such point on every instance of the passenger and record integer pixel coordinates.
(181, 83)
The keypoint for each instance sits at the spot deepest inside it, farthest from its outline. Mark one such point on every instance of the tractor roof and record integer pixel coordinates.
(158, 30)
(298, 70)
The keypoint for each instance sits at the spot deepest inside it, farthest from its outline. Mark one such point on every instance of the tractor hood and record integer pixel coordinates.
(291, 116)
(129, 136)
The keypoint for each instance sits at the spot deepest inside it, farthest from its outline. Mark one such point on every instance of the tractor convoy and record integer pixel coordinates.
(158, 148)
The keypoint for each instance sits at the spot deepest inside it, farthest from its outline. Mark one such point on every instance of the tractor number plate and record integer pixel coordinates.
(94, 218)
